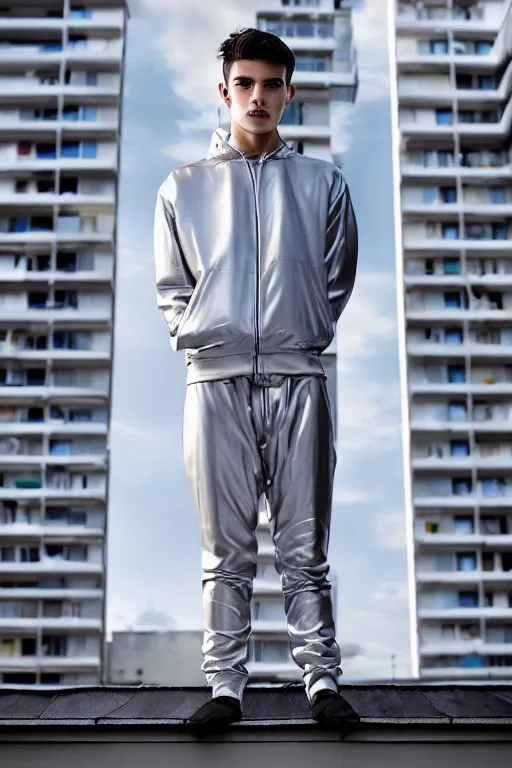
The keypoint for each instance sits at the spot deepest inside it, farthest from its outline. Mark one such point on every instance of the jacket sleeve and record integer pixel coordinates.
(341, 246)
(174, 281)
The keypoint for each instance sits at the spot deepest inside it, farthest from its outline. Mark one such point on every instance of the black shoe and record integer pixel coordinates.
(215, 715)
(329, 707)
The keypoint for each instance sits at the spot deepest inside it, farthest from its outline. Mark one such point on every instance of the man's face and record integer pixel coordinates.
(257, 85)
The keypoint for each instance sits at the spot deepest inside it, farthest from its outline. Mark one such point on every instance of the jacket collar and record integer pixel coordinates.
(220, 145)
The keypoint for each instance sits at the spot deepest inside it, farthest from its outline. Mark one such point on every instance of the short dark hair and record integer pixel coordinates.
(253, 44)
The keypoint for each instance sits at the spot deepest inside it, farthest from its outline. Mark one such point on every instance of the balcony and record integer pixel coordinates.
(86, 461)
(59, 316)
(51, 565)
(324, 79)
(453, 540)
(51, 428)
(51, 594)
(465, 673)
(98, 51)
(464, 577)
(58, 355)
(457, 427)
(53, 663)
(48, 493)
(461, 501)
(65, 624)
(69, 534)
(305, 132)
(449, 463)
(439, 350)
(464, 614)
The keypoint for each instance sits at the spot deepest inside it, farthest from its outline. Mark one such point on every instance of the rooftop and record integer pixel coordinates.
(413, 724)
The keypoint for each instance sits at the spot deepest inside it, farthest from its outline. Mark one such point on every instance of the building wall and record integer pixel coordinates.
(453, 74)
(155, 658)
(60, 107)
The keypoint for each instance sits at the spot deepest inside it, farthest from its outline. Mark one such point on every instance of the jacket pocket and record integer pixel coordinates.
(220, 312)
(295, 308)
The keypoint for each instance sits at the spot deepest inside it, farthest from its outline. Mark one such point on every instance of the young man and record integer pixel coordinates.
(255, 252)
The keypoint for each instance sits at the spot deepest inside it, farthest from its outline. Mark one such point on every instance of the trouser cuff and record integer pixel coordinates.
(229, 685)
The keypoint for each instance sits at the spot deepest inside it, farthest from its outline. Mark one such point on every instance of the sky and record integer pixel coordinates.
(169, 113)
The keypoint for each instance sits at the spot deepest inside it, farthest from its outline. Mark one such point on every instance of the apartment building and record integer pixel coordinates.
(61, 67)
(319, 32)
(452, 99)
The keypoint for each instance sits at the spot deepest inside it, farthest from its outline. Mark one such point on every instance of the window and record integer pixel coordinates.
(70, 149)
(443, 116)
(21, 186)
(499, 232)
(451, 266)
(429, 193)
(453, 336)
(486, 82)
(89, 149)
(431, 527)
(483, 47)
(450, 231)
(37, 299)
(468, 599)
(456, 374)
(459, 448)
(46, 151)
(91, 78)
(24, 148)
(80, 12)
(310, 63)
(463, 525)
(452, 300)
(292, 114)
(448, 194)
(77, 41)
(60, 447)
(461, 486)
(438, 47)
(70, 113)
(91, 113)
(457, 412)
(466, 562)
(497, 195)
(50, 47)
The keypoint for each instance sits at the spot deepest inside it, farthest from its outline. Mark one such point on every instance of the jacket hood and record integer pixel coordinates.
(220, 145)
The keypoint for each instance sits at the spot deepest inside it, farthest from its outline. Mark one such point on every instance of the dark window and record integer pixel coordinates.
(19, 678)
(28, 646)
(68, 185)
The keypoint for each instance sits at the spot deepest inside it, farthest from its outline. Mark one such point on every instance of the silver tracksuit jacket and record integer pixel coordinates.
(255, 261)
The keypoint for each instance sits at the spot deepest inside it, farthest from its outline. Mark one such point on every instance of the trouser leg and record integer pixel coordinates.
(224, 467)
(301, 459)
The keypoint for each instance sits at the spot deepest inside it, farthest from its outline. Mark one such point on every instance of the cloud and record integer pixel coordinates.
(343, 496)
(366, 321)
(380, 624)
(390, 531)
(196, 71)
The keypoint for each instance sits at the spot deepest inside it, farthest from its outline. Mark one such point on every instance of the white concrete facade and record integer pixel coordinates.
(451, 92)
(319, 32)
(61, 72)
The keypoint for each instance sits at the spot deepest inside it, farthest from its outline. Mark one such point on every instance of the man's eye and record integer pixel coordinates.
(243, 83)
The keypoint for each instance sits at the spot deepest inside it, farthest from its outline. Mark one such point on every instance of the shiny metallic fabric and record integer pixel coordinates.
(255, 260)
(242, 441)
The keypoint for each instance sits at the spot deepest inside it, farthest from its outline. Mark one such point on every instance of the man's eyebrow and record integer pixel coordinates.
(268, 80)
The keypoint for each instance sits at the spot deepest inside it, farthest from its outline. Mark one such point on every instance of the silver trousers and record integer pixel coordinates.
(242, 441)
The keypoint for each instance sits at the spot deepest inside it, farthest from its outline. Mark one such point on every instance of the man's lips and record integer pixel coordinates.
(258, 115)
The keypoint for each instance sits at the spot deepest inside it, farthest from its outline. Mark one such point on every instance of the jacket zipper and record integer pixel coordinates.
(257, 286)
(257, 297)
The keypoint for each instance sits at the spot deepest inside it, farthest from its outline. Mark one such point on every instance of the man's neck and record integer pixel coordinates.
(253, 144)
